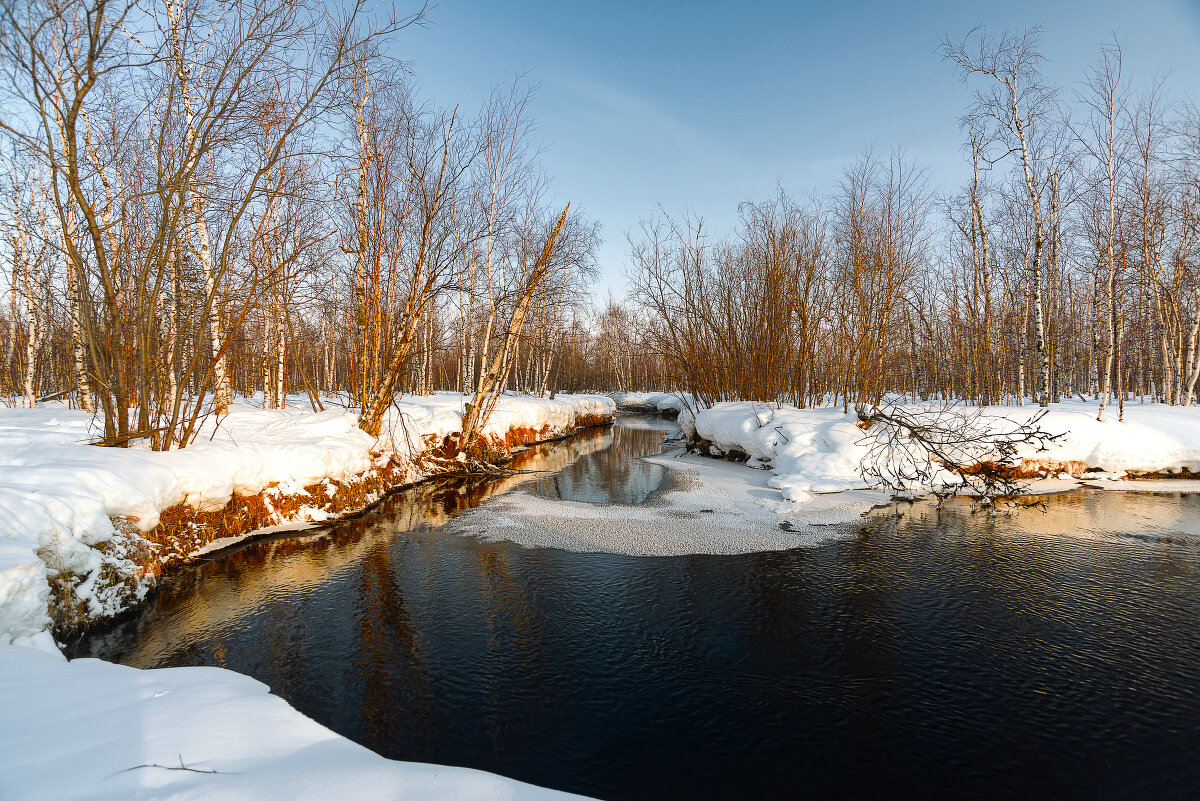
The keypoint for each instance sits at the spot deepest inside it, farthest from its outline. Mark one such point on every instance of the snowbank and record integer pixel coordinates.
(416, 416)
(1152, 439)
(59, 495)
(667, 403)
(813, 451)
(89, 729)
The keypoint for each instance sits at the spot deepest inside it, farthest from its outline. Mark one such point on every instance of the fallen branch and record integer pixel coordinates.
(912, 449)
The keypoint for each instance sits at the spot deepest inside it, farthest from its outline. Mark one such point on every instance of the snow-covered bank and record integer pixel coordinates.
(89, 729)
(815, 451)
(665, 403)
(60, 497)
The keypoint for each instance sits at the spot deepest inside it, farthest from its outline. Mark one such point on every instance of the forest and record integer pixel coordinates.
(205, 199)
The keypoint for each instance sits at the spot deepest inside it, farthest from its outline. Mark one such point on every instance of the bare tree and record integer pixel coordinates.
(436, 162)
(1017, 108)
(139, 117)
(536, 272)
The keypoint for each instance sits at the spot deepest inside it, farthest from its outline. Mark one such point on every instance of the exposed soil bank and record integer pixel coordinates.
(183, 529)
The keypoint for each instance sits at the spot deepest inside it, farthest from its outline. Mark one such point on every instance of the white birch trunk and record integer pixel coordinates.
(33, 318)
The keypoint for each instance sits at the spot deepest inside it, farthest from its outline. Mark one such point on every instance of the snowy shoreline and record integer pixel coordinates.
(89, 729)
(74, 514)
(815, 451)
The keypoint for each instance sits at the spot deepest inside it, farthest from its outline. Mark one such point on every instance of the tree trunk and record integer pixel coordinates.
(491, 384)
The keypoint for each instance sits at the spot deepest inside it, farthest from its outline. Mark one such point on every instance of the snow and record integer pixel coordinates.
(92, 730)
(88, 729)
(1152, 438)
(247, 450)
(811, 451)
(440, 414)
(24, 593)
(662, 402)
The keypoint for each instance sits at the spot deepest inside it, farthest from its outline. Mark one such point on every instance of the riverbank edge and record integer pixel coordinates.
(816, 451)
(1025, 470)
(184, 531)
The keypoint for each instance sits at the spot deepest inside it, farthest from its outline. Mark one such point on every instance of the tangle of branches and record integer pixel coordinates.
(948, 449)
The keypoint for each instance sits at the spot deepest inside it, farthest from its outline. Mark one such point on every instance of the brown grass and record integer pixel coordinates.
(118, 586)
(498, 450)
(1048, 468)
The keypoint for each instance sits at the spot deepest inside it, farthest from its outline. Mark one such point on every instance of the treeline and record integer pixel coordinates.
(202, 198)
(1069, 264)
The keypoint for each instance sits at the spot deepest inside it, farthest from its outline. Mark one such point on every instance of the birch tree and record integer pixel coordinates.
(495, 376)
(1017, 107)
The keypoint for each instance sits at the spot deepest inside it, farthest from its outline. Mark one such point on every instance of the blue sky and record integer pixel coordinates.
(703, 105)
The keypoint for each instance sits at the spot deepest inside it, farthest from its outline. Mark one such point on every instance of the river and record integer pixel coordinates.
(936, 653)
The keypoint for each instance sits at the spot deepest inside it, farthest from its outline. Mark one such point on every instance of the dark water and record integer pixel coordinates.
(931, 655)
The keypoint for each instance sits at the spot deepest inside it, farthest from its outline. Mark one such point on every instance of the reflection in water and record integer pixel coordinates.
(1148, 517)
(612, 474)
(941, 654)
